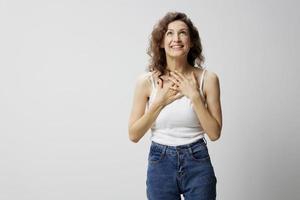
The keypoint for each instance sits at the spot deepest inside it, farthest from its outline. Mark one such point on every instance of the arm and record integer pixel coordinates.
(139, 121)
(210, 117)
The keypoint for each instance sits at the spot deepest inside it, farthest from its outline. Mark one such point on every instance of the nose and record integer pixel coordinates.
(176, 37)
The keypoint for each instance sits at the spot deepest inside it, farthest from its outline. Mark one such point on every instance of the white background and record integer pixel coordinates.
(67, 76)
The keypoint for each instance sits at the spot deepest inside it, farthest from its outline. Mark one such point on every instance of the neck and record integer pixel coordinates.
(180, 65)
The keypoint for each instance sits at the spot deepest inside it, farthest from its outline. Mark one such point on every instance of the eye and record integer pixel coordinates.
(183, 32)
(169, 33)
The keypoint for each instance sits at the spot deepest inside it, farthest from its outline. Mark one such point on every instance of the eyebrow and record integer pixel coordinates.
(179, 29)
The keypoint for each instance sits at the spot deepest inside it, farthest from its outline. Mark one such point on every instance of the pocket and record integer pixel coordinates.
(155, 155)
(200, 152)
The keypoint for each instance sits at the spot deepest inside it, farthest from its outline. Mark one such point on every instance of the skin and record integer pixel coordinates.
(181, 81)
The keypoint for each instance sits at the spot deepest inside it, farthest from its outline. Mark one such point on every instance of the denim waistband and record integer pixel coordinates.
(175, 148)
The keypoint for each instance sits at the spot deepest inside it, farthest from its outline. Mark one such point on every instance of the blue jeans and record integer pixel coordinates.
(184, 169)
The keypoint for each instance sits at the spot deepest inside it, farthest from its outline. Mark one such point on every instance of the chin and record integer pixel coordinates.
(177, 55)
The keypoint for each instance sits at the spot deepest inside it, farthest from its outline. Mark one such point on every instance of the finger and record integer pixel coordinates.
(180, 95)
(159, 82)
(195, 78)
(177, 96)
(156, 73)
(178, 77)
(179, 74)
(175, 88)
(175, 81)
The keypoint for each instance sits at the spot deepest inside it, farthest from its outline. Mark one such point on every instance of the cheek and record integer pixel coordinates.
(187, 41)
(165, 43)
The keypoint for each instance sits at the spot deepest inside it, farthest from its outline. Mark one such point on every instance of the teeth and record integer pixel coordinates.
(176, 46)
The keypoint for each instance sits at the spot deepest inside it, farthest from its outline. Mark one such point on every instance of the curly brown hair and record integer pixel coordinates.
(157, 54)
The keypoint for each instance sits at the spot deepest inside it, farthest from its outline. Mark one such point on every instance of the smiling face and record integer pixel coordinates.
(177, 42)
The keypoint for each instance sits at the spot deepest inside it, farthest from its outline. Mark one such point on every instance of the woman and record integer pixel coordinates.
(180, 101)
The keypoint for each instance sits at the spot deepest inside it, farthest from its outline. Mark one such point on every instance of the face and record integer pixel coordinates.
(177, 42)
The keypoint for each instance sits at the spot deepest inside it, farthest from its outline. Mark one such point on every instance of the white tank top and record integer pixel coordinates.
(177, 123)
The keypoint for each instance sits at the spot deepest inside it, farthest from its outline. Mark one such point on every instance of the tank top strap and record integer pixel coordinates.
(201, 82)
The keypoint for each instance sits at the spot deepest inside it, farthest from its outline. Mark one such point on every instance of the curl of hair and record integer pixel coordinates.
(157, 54)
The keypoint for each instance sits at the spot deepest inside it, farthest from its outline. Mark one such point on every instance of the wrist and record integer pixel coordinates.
(157, 105)
(195, 96)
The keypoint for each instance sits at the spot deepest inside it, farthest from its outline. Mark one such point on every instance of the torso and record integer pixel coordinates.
(177, 123)
(196, 70)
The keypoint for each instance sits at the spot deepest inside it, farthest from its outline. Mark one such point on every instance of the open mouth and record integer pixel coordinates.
(176, 47)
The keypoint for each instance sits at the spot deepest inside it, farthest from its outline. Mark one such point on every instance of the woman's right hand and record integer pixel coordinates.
(166, 92)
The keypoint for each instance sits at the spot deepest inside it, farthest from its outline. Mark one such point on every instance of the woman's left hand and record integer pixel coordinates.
(186, 86)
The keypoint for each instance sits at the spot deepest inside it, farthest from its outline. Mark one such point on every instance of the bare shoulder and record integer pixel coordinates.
(211, 77)
(144, 77)
(143, 82)
(211, 82)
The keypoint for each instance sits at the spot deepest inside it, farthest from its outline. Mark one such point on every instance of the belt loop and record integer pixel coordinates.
(164, 149)
(190, 147)
(205, 140)
(190, 150)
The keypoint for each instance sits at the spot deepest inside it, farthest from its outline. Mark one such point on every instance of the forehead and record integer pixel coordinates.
(178, 24)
